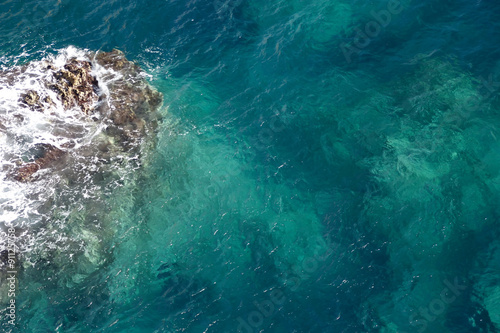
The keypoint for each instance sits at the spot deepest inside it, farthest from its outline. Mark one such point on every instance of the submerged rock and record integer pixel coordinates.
(50, 155)
(75, 130)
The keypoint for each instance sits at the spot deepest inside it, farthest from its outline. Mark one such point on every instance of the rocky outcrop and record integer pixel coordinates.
(76, 86)
(76, 129)
(127, 106)
(131, 97)
(32, 100)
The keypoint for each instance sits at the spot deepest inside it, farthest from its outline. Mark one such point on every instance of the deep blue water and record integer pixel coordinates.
(305, 178)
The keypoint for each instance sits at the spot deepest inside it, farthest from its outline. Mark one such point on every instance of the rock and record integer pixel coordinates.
(49, 155)
(131, 97)
(32, 100)
(128, 110)
(76, 86)
(116, 60)
(64, 164)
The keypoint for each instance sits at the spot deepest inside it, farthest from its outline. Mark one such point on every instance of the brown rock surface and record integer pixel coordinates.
(76, 86)
(131, 97)
(50, 155)
(128, 112)
(32, 100)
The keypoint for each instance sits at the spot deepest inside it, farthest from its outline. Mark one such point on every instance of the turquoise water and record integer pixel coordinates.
(306, 177)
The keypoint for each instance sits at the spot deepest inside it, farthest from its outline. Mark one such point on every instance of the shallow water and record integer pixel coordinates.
(303, 178)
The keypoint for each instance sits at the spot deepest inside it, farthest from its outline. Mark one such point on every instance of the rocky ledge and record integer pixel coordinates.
(119, 97)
